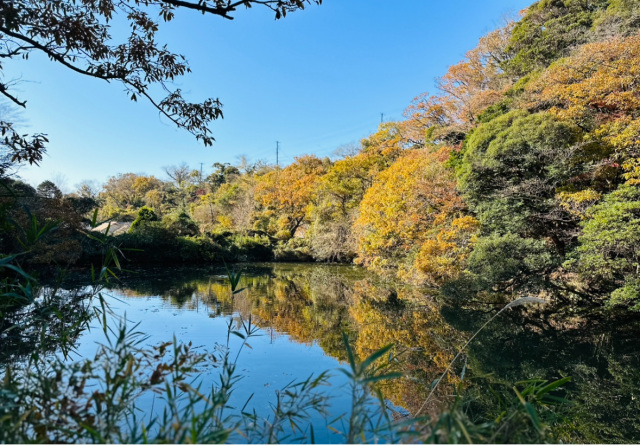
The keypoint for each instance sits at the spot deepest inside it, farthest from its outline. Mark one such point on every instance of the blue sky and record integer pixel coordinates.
(316, 80)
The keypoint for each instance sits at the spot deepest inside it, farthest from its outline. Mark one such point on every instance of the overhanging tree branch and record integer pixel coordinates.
(76, 34)
(3, 90)
(222, 9)
(55, 56)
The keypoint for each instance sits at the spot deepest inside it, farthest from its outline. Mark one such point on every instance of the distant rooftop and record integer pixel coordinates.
(116, 228)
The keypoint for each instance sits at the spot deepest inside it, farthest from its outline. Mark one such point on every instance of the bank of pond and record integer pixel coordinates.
(537, 371)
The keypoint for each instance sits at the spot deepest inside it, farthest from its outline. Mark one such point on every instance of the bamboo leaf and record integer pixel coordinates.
(374, 356)
(554, 385)
(534, 416)
(377, 378)
(351, 357)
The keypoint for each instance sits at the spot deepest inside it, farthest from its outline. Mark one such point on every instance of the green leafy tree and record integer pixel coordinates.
(223, 173)
(510, 172)
(145, 214)
(180, 224)
(548, 31)
(622, 17)
(47, 189)
(508, 261)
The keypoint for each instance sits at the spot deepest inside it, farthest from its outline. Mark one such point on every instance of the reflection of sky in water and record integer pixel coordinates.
(271, 363)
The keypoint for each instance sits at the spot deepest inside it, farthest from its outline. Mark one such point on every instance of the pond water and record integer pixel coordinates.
(303, 309)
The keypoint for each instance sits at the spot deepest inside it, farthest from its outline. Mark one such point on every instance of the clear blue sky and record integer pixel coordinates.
(314, 81)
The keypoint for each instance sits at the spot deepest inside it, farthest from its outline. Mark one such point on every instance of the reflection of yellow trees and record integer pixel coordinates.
(424, 341)
(189, 294)
(308, 307)
(315, 304)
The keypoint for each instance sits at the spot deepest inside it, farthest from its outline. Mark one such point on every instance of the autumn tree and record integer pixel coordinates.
(387, 143)
(221, 209)
(285, 195)
(226, 200)
(596, 89)
(478, 81)
(125, 193)
(407, 209)
(78, 36)
(465, 91)
(338, 195)
(340, 191)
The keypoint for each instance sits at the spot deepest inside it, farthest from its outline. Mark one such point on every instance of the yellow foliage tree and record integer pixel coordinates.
(412, 220)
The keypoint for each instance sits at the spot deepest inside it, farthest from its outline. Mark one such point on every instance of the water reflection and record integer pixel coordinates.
(314, 304)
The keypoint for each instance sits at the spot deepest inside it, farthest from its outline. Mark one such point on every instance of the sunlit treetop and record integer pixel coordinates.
(597, 89)
(287, 194)
(466, 90)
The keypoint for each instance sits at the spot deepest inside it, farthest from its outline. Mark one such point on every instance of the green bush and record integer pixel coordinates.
(511, 170)
(180, 223)
(145, 214)
(548, 31)
(608, 256)
(509, 260)
(245, 248)
(293, 250)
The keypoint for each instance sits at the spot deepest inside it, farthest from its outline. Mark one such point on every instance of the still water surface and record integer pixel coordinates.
(303, 309)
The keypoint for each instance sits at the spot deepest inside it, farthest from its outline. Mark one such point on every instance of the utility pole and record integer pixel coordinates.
(201, 171)
(381, 118)
(277, 150)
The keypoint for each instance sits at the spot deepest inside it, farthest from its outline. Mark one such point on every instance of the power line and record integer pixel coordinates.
(317, 143)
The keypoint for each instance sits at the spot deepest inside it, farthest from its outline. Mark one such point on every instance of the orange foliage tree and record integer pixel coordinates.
(597, 88)
(285, 195)
(467, 89)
